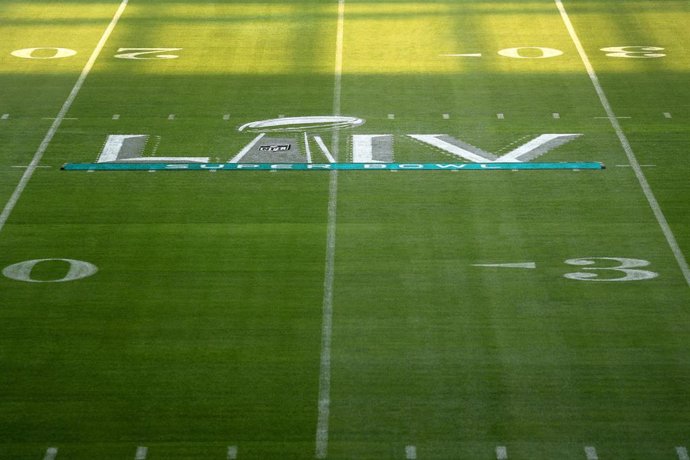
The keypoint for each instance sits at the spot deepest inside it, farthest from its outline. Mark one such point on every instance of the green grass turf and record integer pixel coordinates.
(202, 328)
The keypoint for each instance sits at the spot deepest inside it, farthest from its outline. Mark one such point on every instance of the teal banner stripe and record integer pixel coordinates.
(329, 166)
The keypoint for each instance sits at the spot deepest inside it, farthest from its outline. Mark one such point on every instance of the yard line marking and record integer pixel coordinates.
(232, 452)
(500, 116)
(501, 453)
(462, 55)
(530, 265)
(410, 452)
(24, 167)
(306, 147)
(141, 453)
(246, 149)
(55, 118)
(632, 159)
(591, 453)
(116, 116)
(51, 453)
(61, 115)
(324, 403)
(5, 116)
(642, 166)
(682, 453)
(667, 115)
(608, 118)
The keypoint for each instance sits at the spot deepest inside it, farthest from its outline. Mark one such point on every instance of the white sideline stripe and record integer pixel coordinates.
(141, 453)
(51, 453)
(591, 453)
(246, 149)
(410, 452)
(232, 452)
(501, 453)
(306, 147)
(324, 403)
(61, 115)
(5, 116)
(667, 115)
(500, 116)
(324, 149)
(632, 159)
(682, 453)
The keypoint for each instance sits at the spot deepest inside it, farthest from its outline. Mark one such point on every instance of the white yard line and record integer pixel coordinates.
(26, 177)
(632, 159)
(324, 403)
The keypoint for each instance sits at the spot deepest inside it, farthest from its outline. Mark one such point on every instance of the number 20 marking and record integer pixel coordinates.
(628, 267)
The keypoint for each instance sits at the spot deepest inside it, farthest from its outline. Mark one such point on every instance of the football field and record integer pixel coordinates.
(344, 229)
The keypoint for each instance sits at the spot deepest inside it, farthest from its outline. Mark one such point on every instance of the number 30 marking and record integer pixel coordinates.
(627, 267)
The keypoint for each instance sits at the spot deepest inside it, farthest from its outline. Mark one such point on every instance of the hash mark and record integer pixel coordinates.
(556, 116)
(116, 116)
(501, 453)
(500, 116)
(171, 116)
(391, 116)
(141, 453)
(667, 115)
(232, 452)
(5, 116)
(446, 116)
(591, 453)
(226, 117)
(410, 452)
(682, 453)
(51, 453)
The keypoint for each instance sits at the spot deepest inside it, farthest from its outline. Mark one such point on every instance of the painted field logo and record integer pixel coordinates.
(300, 140)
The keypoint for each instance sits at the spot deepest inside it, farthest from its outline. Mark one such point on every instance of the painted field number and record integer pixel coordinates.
(78, 269)
(146, 53)
(43, 53)
(625, 269)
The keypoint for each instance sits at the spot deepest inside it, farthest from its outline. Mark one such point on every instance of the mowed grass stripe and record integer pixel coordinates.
(26, 177)
(632, 158)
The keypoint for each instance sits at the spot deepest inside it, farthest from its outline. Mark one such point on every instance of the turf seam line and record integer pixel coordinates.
(38, 156)
(324, 402)
(632, 158)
